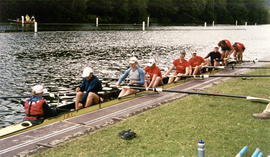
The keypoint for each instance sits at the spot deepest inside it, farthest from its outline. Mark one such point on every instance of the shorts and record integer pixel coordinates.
(225, 48)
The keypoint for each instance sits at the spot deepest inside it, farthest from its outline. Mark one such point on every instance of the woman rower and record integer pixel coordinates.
(136, 77)
(154, 73)
(87, 93)
(226, 50)
(182, 68)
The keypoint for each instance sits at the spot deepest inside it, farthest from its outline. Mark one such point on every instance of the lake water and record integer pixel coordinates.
(56, 58)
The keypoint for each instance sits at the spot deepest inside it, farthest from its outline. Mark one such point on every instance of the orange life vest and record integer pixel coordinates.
(34, 108)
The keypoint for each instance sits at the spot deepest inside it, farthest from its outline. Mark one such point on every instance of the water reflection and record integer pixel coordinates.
(56, 59)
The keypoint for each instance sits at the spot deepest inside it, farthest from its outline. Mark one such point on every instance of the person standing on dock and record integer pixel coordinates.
(226, 50)
(154, 73)
(215, 58)
(238, 49)
(136, 77)
(36, 108)
(182, 68)
(87, 93)
(196, 63)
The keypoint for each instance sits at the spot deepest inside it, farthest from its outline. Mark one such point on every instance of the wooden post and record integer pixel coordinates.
(245, 23)
(213, 23)
(236, 23)
(96, 21)
(22, 20)
(143, 26)
(205, 24)
(36, 27)
(148, 21)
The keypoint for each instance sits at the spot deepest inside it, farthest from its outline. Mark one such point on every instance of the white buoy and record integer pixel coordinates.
(22, 19)
(245, 23)
(148, 21)
(205, 24)
(236, 23)
(97, 22)
(36, 29)
(213, 23)
(143, 26)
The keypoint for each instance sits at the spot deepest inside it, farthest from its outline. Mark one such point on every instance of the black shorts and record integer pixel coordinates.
(225, 48)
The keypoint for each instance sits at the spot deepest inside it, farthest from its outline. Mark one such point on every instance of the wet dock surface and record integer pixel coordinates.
(88, 122)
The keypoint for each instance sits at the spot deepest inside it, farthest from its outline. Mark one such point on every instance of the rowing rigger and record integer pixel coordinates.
(207, 76)
(235, 67)
(251, 98)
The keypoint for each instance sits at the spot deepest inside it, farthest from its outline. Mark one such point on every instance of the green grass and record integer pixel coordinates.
(173, 129)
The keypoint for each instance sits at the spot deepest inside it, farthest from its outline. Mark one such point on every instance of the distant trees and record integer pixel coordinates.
(135, 11)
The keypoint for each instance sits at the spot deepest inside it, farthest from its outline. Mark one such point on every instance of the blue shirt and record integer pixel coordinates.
(92, 85)
(141, 76)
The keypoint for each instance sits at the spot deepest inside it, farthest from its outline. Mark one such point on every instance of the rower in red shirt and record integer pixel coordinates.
(153, 75)
(226, 50)
(182, 68)
(239, 49)
(196, 63)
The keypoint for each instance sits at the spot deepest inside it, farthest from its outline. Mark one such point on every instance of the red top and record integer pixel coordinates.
(238, 46)
(225, 44)
(195, 61)
(152, 71)
(180, 65)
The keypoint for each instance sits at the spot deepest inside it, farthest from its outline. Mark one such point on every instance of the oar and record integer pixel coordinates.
(52, 95)
(255, 60)
(199, 93)
(235, 67)
(207, 76)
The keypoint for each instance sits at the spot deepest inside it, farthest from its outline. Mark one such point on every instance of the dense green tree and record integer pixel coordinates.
(135, 11)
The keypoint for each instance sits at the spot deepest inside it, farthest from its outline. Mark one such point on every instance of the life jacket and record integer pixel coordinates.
(34, 108)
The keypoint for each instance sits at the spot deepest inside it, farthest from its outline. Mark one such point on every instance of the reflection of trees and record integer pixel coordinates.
(134, 11)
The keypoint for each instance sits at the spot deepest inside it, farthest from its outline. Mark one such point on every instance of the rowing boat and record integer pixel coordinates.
(64, 102)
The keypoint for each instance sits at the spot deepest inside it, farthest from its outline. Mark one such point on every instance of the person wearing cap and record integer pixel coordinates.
(87, 93)
(136, 77)
(154, 73)
(196, 63)
(36, 108)
(182, 67)
(215, 57)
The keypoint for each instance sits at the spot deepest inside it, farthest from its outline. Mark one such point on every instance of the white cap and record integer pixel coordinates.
(38, 89)
(87, 71)
(133, 60)
(151, 62)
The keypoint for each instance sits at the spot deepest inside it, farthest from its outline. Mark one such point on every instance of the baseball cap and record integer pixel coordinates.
(87, 71)
(38, 89)
(133, 60)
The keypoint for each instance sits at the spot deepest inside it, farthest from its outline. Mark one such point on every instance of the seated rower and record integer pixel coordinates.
(196, 63)
(154, 73)
(182, 68)
(87, 93)
(136, 77)
(239, 49)
(215, 58)
(36, 108)
(226, 50)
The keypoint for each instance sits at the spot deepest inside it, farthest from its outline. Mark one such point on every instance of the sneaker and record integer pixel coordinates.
(263, 115)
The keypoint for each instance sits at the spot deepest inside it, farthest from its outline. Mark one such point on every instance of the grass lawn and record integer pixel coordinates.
(173, 129)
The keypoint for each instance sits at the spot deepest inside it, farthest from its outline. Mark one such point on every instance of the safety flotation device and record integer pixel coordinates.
(34, 109)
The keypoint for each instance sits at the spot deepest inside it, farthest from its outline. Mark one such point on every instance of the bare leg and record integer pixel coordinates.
(78, 105)
(122, 93)
(171, 79)
(158, 81)
(196, 70)
(92, 99)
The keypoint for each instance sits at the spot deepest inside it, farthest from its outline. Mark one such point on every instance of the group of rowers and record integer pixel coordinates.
(150, 77)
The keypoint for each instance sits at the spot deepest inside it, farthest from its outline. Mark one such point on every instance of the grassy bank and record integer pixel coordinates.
(174, 128)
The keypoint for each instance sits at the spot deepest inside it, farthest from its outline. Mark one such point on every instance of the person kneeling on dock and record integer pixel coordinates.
(36, 108)
(182, 68)
(239, 49)
(136, 77)
(153, 75)
(226, 50)
(196, 63)
(87, 93)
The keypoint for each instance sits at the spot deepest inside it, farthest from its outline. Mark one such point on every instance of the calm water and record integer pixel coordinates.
(56, 59)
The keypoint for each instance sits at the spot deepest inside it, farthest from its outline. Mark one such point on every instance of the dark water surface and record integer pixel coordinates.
(56, 59)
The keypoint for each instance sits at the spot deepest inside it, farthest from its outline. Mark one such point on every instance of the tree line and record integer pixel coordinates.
(135, 11)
